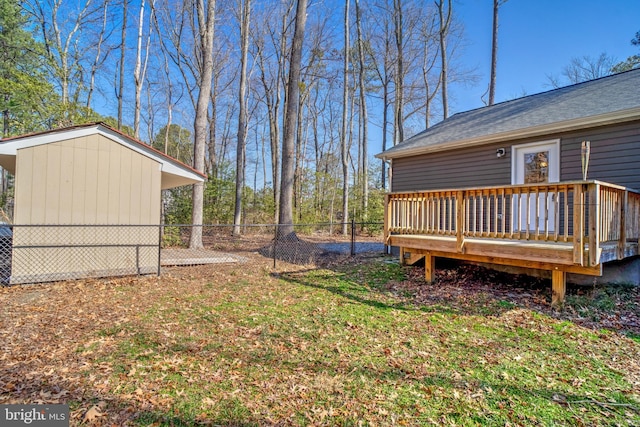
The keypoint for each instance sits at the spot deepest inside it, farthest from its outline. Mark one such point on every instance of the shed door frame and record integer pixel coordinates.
(518, 152)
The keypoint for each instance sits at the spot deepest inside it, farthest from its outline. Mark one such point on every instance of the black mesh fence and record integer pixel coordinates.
(47, 253)
(295, 244)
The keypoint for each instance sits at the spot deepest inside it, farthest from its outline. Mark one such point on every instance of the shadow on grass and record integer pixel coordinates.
(349, 289)
(466, 289)
(159, 418)
(379, 282)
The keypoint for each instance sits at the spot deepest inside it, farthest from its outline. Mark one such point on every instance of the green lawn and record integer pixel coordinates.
(319, 347)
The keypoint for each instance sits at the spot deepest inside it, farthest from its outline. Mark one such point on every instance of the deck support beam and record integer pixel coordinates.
(429, 268)
(558, 286)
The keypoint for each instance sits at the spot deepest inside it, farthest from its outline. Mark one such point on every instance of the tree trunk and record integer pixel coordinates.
(123, 50)
(399, 104)
(206, 24)
(140, 69)
(212, 169)
(443, 33)
(363, 114)
(494, 53)
(245, 13)
(97, 62)
(345, 112)
(291, 114)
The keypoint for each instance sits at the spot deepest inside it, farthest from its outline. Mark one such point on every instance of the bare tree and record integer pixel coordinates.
(444, 13)
(291, 114)
(206, 27)
(398, 26)
(99, 59)
(581, 69)
(245, 13)
(364, 117)
(382, 63)
(269, 50)
(494, 51)
(344, 143)
(63, 29)
(140, 69)
(430, 55)
(123, 51)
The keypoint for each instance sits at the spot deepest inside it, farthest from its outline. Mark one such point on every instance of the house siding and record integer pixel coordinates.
(472, 167)
(615, 155)
(615, 158)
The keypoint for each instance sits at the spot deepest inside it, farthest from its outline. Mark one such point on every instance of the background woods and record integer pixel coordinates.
(209, 82)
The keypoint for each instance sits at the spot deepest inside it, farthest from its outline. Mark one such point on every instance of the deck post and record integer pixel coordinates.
(460, 221)
(594, 224)
(622, 243)
(558, 286)
(387, 208)
(429, 267)
(578, 224)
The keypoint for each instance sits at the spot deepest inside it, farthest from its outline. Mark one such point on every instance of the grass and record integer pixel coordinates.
(339, 347)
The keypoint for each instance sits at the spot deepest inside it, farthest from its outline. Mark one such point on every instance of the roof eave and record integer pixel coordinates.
(615, 117)
(184, 173)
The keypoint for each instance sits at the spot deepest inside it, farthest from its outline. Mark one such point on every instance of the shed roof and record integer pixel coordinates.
(174, 172)
(607, 100)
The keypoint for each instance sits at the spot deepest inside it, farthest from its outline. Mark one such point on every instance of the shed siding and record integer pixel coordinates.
(615, 158)
(91, 180)
(84, 181)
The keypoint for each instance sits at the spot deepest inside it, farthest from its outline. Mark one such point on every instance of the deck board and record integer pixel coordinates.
(520, 253)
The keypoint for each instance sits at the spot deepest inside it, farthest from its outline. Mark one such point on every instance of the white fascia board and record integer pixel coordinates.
(541, 130)
(167, 165)
(11, 147)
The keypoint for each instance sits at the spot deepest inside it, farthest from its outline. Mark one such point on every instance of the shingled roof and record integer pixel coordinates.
(608, 100)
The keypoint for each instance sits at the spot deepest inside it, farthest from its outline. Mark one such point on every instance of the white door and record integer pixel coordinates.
(536, 163)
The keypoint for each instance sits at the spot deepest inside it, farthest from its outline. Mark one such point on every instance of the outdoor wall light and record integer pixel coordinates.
(501, 152)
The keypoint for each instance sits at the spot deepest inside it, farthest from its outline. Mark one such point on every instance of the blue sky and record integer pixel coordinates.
(538, 38)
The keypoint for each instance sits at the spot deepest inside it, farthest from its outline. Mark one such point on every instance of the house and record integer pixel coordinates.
(87, 202)
(504, 184)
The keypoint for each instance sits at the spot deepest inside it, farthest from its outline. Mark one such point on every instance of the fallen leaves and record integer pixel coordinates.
(93, 414)
(221, 346)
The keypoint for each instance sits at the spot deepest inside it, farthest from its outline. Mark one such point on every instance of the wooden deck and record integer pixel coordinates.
(571, 227)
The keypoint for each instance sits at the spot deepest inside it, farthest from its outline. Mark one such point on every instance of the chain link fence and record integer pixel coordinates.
(293, 244)
(47, 253)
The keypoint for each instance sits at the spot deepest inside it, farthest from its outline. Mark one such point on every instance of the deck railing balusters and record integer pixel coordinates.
(582, 212)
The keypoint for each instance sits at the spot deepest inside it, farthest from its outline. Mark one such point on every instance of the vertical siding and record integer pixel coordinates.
(89, 180)
(102, 186)
(113, 184)
(51, 183)
(79, 166)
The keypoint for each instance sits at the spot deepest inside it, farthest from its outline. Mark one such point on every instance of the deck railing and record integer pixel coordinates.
(583, 213)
